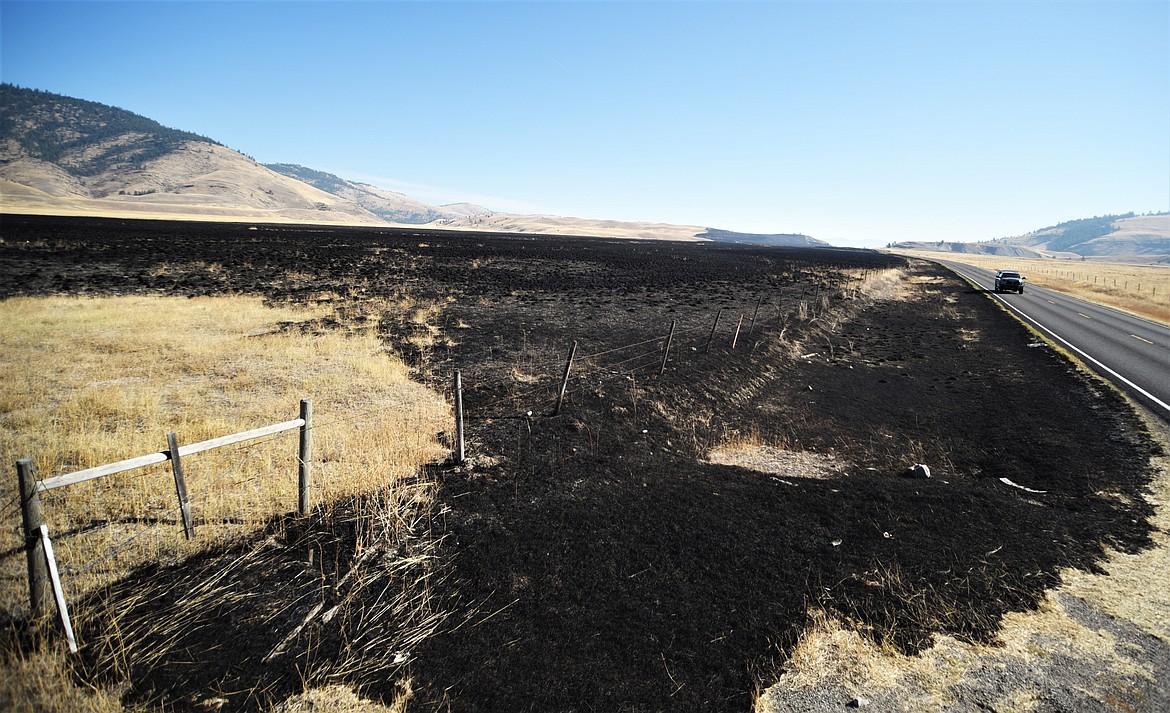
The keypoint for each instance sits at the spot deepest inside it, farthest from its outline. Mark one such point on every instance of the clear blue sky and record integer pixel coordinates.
(857, 123)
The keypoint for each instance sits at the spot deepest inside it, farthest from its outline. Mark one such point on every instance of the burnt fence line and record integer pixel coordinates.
(588, 370)
(752, 309)
(597, 374)
(582, 372)
(588, 364)
(606, 372)
(745, 326)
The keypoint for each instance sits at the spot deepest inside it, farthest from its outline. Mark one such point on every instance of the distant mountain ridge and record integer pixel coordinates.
(388, 205)
(730, 236)
(564, 225)
(66, 156)
(1128, 237)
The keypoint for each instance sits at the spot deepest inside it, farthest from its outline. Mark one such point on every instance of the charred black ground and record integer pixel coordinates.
(595, 560)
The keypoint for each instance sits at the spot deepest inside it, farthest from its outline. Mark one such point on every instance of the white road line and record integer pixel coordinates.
(1069, 344)
(1147, 341)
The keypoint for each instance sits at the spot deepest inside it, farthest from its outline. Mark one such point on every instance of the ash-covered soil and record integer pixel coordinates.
(597, 560)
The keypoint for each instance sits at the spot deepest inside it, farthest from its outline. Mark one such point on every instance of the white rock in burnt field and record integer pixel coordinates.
(918, 470)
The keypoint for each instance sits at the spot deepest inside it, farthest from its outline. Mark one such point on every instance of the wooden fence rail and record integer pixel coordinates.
(31, 488)
(60, 481)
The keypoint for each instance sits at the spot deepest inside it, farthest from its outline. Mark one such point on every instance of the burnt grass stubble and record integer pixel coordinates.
(595, 560)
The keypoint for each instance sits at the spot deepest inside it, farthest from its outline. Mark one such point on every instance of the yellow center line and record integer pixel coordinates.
(1147, 341)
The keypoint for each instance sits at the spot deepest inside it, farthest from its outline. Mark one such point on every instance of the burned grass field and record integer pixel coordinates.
(663, 542)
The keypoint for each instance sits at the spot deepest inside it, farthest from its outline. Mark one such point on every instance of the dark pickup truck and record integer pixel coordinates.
(1009, 281)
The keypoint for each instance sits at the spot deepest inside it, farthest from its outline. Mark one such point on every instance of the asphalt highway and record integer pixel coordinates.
(1132, 352)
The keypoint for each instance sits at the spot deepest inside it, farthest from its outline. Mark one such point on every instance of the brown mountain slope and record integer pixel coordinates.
(562, 225)
(389, 205)
(198, 181)
(1116, 238)
(65, 156)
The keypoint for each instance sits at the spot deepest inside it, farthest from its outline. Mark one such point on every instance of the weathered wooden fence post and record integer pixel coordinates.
(30, 511)
(180, 486)
(738, 327)
(565, 379)
(460, 448)
(666, 352)
(713, 326)
(305, 458)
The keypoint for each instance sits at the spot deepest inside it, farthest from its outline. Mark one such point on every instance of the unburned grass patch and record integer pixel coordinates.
(1064, 654)
(88, 381)
(752, 454)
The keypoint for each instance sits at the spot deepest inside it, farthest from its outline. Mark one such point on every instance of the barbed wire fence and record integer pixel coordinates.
(533, 401)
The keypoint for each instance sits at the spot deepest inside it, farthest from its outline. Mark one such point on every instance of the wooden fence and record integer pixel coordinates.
(42, 568)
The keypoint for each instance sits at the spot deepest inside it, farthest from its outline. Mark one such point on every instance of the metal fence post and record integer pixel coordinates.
(666, 352)
(565, 379)
(713, 326)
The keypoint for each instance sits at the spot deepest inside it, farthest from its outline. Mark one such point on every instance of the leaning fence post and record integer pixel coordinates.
(752, 326)
(713, 326)
(565, 379)
(305, 457)
(30, 511)
(738, 327)
(58, 589)
(180, 486)
(666, 352)
(460, 449)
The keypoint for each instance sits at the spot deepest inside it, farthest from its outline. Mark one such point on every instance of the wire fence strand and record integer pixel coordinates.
(591, 369)
(121, 546)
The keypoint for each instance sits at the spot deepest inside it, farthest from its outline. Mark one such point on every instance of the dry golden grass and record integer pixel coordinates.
(1139, 289)
(39, 682)
(338, 699)
(751, 451)
(85, 382)
(831, 654)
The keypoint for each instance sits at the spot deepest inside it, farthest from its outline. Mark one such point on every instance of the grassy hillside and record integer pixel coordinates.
(83, 137)
(388, 205)
(1121, 238)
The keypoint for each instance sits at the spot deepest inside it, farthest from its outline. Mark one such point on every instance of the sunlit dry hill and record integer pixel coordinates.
(562, 225)
(1116, 238)
(67, 156)
(388, 205)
